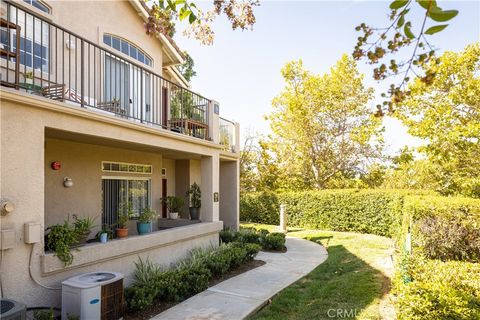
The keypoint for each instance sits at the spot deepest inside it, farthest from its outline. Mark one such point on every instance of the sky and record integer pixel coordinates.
(241, 70)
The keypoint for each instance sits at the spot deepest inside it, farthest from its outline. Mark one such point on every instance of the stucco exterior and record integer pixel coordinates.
(36, 131)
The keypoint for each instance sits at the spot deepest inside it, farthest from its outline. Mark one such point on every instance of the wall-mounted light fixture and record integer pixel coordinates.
(67, 182)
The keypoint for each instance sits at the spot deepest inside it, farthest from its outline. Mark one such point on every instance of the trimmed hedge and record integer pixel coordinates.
(443, 228)
(365, 211)
(438, 290)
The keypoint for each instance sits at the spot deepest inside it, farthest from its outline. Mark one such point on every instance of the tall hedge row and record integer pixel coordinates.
(365, 211)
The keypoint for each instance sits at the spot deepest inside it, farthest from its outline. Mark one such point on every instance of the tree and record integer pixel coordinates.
(321, 125)
(399, 34)
(186, 69)
(446, 114)
(163, 13)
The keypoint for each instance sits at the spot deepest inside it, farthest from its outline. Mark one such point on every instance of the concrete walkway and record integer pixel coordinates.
(240, 296)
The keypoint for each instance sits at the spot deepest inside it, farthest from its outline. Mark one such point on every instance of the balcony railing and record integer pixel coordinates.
(45, 59)
(227, 135)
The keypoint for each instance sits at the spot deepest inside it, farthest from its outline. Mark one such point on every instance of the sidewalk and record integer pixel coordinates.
(240, 296)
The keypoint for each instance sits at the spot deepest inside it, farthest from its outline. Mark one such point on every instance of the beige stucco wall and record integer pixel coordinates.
(82, 163)
(28, 125)
(93, 19)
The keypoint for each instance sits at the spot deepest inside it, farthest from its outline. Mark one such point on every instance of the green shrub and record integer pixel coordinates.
(227, 235)
(268, 241)
(274, 241)
(439, 290)
(444, 228)
(190, 276)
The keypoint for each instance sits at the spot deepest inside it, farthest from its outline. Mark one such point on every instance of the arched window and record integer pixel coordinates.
(127, 48)
(39, 5)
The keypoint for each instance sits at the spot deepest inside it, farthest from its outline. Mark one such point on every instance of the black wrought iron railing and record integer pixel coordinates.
(45, 59)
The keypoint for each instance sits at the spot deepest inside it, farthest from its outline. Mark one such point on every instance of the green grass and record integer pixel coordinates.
(354, 280)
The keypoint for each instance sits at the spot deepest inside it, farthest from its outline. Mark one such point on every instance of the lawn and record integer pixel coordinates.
(353, 283)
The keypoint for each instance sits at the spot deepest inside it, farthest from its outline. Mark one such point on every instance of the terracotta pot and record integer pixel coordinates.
(122, 233)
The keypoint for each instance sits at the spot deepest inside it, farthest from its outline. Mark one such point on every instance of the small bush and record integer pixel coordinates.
(439, 290)
(268, 241)
(274, 241)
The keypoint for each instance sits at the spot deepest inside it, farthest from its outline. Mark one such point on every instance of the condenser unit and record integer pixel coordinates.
(12, 310)
(94, 295)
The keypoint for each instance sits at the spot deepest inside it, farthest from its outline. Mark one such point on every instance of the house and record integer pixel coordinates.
(94, 114)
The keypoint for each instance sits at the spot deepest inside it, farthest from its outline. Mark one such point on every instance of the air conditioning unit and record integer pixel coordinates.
(94, 295)
(12, 310)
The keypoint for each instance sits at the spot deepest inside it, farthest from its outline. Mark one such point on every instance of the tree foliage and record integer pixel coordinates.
(186, 69)
(401, 34)
(446, 115)
(322, 128)
(163, 13)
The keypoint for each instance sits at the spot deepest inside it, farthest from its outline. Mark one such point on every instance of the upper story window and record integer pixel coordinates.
(127, 48)
(34, 40)
(39, 5)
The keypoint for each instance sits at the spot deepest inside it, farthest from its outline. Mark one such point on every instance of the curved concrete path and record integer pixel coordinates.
(240, 296)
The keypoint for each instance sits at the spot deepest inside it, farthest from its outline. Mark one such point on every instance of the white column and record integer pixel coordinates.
(283, 218)
(210, 188)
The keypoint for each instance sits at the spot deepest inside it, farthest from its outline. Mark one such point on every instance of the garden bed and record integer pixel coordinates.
(160, 306)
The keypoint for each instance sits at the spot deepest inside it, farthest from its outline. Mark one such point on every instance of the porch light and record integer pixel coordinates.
(67, 182)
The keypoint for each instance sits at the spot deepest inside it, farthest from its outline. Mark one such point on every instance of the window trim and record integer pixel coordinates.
(128, 164)
(30, 6)
(131, 44)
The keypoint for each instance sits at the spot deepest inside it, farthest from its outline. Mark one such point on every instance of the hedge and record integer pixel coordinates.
(438, 290)
(365, 211)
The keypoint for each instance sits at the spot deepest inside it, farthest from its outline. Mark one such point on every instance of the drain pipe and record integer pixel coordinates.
(31, 273)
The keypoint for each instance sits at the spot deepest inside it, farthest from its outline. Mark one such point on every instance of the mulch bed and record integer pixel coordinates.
(160, 306)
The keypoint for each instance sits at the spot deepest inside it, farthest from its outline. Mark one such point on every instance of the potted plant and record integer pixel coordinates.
(105, 233)
(83, 227)
(195, 195)
(61, 238)
(122, 221)
(174, 206)
(28, 77)
(144, 223)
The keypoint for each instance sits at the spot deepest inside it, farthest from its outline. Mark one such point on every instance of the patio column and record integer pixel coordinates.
(214, 120)
(210, 187)
(230, 196)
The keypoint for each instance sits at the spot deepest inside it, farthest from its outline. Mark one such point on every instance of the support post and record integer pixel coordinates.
(283, 218)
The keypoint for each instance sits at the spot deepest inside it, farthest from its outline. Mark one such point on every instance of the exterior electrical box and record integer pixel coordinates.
(7, 239)
(32, 232)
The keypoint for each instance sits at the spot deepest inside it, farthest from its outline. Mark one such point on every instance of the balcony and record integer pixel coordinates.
(44, 59)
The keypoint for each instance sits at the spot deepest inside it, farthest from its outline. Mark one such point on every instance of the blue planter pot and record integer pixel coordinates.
(103, 237)
(144, 228)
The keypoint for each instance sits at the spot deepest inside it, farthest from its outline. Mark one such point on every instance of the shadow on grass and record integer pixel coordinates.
(343, 287)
